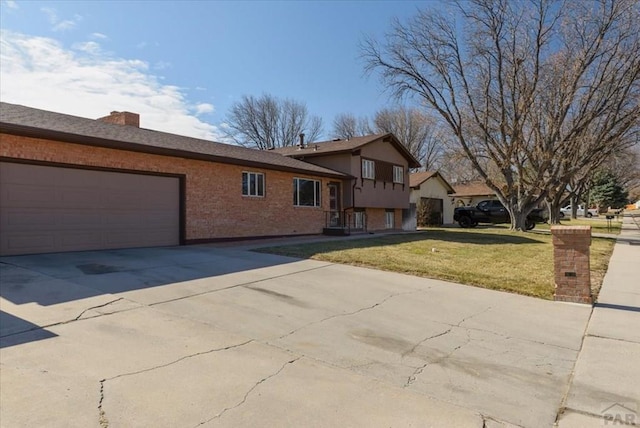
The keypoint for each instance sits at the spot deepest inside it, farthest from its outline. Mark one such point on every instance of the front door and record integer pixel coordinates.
(334, 204)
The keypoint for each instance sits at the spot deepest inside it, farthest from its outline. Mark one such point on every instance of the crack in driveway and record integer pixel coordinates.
(96, 307)
(244, 284)
(246, 395)
(77, 318)
(418, 371)
(414, 376)
(347, 314)
(102, 417)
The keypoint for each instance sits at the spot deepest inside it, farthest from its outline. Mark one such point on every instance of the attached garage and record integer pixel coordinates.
(69, 183)
(47, 209)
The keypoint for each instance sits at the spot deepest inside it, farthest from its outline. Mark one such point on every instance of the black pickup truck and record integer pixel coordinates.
(492, 211)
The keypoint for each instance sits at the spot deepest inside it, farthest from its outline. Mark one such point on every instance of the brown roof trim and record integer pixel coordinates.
(413, 162)
(33, 132)
(346, 146)
(426, 175)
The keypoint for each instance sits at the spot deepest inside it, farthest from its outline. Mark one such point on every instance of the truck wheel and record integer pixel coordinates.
(464, 222)
(589, 215)
(561, 215)
(529, 224)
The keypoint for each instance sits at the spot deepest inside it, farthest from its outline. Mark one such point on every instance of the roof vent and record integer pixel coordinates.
(122, 118)
(301, 145)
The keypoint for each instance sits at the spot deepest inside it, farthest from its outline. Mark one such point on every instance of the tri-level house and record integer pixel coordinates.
(69, 183)
(377, 189)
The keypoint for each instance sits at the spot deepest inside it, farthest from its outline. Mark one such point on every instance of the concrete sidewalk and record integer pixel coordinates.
(605, 386)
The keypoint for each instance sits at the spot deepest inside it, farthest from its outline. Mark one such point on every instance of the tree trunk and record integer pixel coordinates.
(519, 222)
(518, 217)
(574, 206)
(554, 207)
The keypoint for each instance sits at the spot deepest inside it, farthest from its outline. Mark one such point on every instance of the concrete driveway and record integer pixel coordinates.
(209, 336)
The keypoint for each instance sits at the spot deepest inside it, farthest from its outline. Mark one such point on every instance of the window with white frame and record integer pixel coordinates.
(306, 193)
(389, 219)
(368, 169)
(253, 184)
(398, 174)
(358, 220)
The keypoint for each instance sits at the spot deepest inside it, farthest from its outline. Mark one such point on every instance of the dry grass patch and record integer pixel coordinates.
(494, 258)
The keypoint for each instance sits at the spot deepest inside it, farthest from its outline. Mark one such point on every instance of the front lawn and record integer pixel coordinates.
(598, 225)
(491, 257)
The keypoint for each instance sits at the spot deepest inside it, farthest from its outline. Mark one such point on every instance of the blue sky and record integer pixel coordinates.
(182, 64)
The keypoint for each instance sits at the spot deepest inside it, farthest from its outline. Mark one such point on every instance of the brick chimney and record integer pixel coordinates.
(122, 118)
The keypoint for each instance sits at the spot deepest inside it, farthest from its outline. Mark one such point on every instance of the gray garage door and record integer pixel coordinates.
(46, 209)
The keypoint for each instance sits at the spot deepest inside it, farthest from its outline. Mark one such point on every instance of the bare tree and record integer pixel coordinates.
(346, 126)
(416, 130)
(266, 122)
(533, 91)
(454, 164)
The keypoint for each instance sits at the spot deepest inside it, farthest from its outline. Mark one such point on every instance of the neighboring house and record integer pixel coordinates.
(469, 194)
(377, 192)
(431, 198)
(69, 183)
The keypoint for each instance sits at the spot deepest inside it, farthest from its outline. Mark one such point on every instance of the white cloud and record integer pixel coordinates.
(64, 25)
(56, 23)
(51, 14)
(203, 108)
(99, 36)
(88, 47)
(39, 72)
(11, 4)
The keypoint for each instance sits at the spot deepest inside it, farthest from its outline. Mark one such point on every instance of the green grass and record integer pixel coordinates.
(598, 225)
(494, 257)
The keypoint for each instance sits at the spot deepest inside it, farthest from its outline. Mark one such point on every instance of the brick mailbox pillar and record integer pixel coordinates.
(571, 263)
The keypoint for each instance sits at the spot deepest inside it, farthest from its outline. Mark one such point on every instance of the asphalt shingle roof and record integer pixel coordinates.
(474, 188)
(338, 146)
(417, 178)
(22, 120)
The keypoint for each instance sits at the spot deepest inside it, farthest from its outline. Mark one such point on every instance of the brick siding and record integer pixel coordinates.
(376, 219)
(572, 271)
(215, 207)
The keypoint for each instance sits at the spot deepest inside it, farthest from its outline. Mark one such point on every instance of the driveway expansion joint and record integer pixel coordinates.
(566, 410)
(572, 374)
(102, 417)
(486, 419)
(596, 336)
